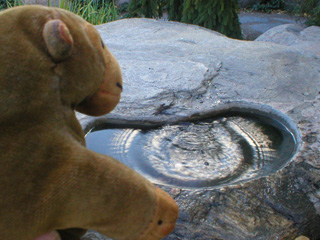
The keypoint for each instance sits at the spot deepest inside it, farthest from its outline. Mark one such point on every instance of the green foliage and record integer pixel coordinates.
(175, 9)
(4, 3)
(219, 15)
(311, 9)
(146, 8)
(268, 6)
(123, 7)
(93, 11)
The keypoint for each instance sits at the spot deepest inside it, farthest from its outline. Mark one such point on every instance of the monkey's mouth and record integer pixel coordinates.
(109, 93)
(54, 235)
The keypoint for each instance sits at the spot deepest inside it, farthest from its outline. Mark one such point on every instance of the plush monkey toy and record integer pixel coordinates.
(52, 187)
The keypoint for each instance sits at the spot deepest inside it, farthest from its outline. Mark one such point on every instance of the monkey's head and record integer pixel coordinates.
(55, 57)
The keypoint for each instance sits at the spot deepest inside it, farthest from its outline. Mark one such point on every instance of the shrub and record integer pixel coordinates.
(311, 8)
(268, 6)
(175, 9)
(4, 3)
(146, 8)
(218, 15)
(94, 11)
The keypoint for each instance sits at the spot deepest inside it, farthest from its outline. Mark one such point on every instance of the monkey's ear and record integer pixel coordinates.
(58, 40)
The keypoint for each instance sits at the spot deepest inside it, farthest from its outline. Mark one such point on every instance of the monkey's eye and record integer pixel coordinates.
(119, 85)
(102, 43)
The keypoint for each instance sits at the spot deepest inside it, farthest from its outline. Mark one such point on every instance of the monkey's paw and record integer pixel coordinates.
(164, 219)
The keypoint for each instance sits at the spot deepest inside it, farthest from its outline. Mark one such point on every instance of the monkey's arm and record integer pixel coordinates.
(105, 195)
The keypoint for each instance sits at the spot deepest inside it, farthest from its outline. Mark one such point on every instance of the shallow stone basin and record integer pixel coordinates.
(208, 152)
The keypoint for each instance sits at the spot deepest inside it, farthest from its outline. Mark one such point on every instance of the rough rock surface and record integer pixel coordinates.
(253, 24)
(305, 40)
(173, 70)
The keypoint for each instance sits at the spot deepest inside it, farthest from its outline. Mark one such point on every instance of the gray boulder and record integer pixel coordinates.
(297, 37)
(173, 71)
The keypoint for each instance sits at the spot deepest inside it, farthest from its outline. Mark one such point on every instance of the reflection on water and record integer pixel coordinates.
(206, 153)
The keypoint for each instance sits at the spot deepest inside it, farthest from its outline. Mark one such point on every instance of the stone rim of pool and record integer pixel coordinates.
(264, 113)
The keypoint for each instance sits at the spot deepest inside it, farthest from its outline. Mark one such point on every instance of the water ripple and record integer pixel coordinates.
(206, 153)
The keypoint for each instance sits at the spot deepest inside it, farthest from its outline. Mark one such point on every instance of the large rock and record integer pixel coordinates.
(173, 71)
(304, 40)
(253, 24)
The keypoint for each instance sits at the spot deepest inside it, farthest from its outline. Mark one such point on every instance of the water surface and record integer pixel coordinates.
(201, 154)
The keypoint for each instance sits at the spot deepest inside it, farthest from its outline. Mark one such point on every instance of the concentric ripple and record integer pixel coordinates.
(206, 153)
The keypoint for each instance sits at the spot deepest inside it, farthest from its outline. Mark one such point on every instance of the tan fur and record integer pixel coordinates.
(51, 63)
